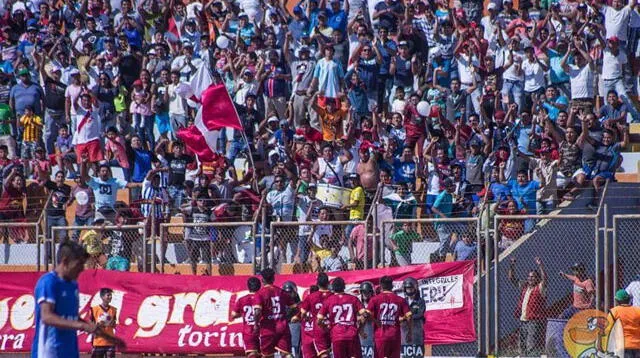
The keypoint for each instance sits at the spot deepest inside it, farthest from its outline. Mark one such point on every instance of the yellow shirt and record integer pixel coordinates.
(32, 128)
(357, 197)
(92, 242)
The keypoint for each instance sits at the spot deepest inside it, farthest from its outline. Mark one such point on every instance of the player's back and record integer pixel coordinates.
(273, 302)
(244, 306)
(311, 306)
(341, 310)
(49, 341)
(386, 309)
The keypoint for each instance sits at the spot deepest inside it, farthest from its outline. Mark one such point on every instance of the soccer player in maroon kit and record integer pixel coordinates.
(388, 310)
(270, 310)
(315, 339)
(343, 312)
(244, 308)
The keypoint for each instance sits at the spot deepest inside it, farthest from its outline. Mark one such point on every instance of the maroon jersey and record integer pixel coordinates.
(312, 305)
(341, 310)
(273, 302)
(244, 307)
(386, 309)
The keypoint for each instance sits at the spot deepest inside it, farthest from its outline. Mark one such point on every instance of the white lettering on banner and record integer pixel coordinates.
(22, 313)
(8, 339)
(442, 293)
(152, 314)
(412, 351)
(187, 337)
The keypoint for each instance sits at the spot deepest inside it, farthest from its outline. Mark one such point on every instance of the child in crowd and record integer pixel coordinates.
(105, 316)
(92, 241)
(116, 151)
(32, 133)
(64, 153)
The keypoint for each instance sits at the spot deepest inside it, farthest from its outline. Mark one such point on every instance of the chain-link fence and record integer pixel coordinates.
(119, 248)
(319, 246)
(547, 269)
(625, 269)
(21, 249)
(224, 248)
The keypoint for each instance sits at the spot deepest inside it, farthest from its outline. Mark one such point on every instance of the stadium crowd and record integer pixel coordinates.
(439, 107)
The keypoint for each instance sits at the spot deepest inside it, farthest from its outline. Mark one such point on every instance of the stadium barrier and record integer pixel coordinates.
(224, 248)
(21, 246)
(319, 238)
(114, 247)
(625, 265)
(560, 242)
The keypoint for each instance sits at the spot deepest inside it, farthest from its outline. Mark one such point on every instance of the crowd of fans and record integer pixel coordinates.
(445, 107)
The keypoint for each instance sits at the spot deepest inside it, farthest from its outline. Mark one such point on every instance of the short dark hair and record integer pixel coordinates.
(105, 290)
(386, 283)
(104, 166)
(523, 171)
(268, 275)
(71, 250)
(337, 285)
(253, 284)
(323, 280)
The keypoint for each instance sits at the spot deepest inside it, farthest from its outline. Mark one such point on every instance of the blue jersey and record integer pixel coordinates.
(51, 342)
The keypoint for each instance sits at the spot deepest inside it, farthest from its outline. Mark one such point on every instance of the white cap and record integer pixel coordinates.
(492, 6)
(272, 119)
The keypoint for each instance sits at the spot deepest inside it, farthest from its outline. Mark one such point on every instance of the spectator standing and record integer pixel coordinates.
(23, 94)
(105, 189)
(531, 309)
(629, 317)
(583, 291)
(176, 161)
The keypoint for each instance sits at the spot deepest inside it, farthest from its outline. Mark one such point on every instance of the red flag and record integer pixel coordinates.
(218, 110)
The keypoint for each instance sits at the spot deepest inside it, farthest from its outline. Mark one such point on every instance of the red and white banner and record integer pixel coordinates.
(190, 314)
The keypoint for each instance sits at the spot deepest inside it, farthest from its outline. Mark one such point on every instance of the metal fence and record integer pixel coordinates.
(568, 244)
(625, 266)
(113, 247)
(208, 248)
(313, 246)
(21, 246)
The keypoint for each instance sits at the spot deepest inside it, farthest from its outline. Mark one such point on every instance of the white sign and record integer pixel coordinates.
(442, 293)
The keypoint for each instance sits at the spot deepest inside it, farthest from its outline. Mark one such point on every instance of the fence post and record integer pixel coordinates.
(478, 291)
(605, 233)
(496, 286)
(153, 242)
(614, 248)
(254, 235)
(38, 249)
(374, 233)
(487, 281)
(263, 240)
(366, 246)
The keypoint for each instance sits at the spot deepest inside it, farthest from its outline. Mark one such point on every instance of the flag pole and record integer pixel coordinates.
(217, 79)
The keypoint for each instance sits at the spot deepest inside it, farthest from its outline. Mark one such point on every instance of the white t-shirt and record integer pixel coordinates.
(320, 231)
(176, 103)
(87, 130)
(533, 75)
(616, 22)
(612, 64)
(510, 73)
(581, 82)
(464, 69)
(73, 92)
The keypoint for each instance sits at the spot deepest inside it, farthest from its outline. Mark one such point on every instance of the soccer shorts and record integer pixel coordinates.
(251, 340)
(322, 341)
(271, 341)
(91, 149)
(347, 349)
(387, 349)
(308, 349)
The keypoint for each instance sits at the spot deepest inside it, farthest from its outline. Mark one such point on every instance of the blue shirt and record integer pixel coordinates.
(526, 193)
(141, 165)
(106, 192)
(553, 110)
(444, 203)
(51, 342)
(556, 73)
(26, 96)
(404, 172)
(337, 20)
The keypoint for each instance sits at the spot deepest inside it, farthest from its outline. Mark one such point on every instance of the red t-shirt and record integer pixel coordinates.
(341, 310)
(273, 301)
(386, 309)
(11, 203)
(244, 306)
(312, 305)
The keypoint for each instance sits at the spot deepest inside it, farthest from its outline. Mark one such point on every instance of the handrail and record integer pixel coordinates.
(602, 196)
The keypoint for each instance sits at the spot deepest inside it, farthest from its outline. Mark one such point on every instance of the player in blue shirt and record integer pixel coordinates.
(57, 299)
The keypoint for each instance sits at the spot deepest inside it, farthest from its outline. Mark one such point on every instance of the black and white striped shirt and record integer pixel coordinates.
(150, 192)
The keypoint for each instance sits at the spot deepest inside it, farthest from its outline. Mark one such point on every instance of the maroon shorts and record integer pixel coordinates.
(387, 349)
(322, 341)
(271, 341)
(308, 349)
(347, 349)
(251, 340)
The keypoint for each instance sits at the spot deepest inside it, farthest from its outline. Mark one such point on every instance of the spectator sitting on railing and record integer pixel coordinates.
(92, 241)
(583, 291)
(531, 311)
(510, 230)
(198, 238)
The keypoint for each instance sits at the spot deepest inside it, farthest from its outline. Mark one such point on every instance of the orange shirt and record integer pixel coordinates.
(629, 316)
(331, 124)
(108, 317)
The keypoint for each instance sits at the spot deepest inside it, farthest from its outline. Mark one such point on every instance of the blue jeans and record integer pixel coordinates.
(514, 90)
(544, 207)
(237, 146)
(53, 120)
(60, 235)
(80, 221)
(143, 126)
(303, 245)
(177, 195)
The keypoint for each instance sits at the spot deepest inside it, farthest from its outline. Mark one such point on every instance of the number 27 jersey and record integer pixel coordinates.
(341, 310)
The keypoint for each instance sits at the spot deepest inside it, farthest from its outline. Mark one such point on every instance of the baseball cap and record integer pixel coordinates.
(312, 186)
(23, 72)
(475, 142)
(243, 14)
(447, 182)
(403, 43)
(499, 115)
(622, 295)
(492, 6)
(297, 9)
(74, 71)
(272, 119)
(613, 39)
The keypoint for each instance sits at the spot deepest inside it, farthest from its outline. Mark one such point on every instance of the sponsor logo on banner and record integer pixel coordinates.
(412, 351)
(367, 351)
(442, 293)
